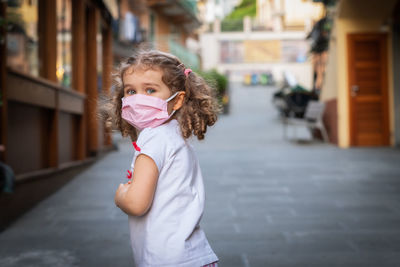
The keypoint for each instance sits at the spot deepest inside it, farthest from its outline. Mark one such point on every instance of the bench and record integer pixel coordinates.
(312, 119)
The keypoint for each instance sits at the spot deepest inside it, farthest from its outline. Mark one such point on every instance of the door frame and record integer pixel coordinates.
(385, 84)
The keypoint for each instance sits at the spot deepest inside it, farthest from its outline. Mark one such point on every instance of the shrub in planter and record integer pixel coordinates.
(220, 83)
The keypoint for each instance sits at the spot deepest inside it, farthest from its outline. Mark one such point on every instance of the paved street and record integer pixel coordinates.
(270, 202)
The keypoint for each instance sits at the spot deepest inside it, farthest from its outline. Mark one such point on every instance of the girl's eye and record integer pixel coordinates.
(130, 92)
(150, 90)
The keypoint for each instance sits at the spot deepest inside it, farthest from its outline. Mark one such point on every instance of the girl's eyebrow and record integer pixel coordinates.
(127, 85)
(144, 84)
(151, 84)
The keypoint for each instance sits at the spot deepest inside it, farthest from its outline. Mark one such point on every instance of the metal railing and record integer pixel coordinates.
(171, 44)
(232, 25)
(190, 59)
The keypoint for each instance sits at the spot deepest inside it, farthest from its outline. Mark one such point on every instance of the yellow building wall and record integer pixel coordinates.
(256, 51)
(330, 85)
(342, 28)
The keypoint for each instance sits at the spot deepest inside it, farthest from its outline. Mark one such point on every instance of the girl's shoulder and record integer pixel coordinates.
(165, 136)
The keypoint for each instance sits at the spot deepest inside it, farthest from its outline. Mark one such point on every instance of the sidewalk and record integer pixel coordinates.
(270, 202)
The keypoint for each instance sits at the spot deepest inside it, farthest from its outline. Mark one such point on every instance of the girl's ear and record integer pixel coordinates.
(179, 98)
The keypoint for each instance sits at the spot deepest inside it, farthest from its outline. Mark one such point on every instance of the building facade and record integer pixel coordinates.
(57, 61)
(60, 56)
(164, 25)
(274, 41)
(360, 87)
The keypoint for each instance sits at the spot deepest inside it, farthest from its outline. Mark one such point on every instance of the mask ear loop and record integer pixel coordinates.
(170, 98)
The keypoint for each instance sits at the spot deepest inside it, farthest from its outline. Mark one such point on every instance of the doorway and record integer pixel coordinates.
(368, 89)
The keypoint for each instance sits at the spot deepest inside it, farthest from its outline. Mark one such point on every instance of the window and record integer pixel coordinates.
(64, 42)
(22, 36)
(232, 52)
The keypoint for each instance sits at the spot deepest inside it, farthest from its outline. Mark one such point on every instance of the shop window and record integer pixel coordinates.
(232, 52)
(22, 36)
(64, 42)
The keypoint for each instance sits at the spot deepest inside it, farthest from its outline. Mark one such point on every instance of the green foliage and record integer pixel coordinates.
(217, 81)
(245, 8)
(234, 21)
(232, 25)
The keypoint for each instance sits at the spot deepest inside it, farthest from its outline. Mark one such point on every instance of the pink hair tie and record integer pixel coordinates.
(187, 72)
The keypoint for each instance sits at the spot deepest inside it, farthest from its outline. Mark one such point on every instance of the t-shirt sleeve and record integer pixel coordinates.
(153, 144)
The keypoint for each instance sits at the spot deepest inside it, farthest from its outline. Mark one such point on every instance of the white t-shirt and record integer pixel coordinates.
(169, 233)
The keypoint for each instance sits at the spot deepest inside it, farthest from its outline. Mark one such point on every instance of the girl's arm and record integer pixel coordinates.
(135, 198)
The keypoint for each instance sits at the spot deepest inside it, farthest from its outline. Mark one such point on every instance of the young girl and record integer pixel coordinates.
(160, 104)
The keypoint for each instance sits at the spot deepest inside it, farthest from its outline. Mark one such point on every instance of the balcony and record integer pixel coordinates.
(189, 58)
(182, 12)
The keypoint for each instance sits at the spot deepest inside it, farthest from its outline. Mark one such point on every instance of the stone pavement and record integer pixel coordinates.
(270, 202)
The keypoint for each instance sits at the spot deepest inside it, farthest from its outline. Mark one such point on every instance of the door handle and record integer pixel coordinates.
(354, 90)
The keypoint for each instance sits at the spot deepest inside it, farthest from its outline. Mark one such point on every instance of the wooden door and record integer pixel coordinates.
(368, 89)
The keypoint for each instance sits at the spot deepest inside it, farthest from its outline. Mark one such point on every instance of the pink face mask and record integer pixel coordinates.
(143, 111)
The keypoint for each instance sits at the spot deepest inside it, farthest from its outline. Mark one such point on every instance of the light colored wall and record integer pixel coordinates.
(211, 58)
(396, 82)
(210, 53)
(344, 27)
(302, 71)
(280, 14)
(330, 87)
(297, 12)
(391, 90)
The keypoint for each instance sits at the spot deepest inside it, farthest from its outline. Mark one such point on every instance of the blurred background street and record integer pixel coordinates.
(301, 169)
(270, 201)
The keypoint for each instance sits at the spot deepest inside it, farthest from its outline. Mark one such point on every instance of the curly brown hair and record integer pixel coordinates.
(199, 109)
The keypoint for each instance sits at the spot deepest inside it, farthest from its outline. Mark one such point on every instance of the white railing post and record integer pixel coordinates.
(217, 26)
(247, 24)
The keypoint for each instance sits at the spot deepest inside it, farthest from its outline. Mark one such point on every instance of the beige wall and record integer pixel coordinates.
(297, 12)
(338, 70)
(294, 14)
(330, 85)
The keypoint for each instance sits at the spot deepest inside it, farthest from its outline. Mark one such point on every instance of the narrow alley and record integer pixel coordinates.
(270, 201)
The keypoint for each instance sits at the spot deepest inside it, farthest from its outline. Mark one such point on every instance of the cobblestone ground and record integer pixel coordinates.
(270, 201)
